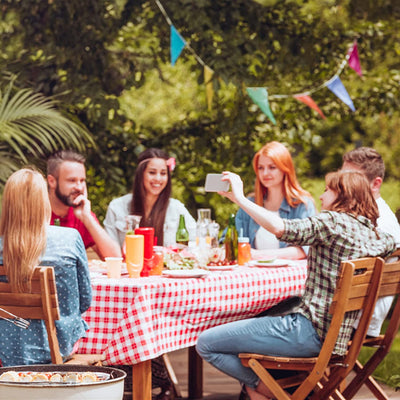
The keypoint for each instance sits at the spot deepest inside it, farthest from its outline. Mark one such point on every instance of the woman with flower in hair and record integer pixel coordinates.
(277, 190)
(150, 198)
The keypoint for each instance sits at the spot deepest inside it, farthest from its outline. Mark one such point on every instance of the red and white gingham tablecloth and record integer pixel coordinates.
(133, 320)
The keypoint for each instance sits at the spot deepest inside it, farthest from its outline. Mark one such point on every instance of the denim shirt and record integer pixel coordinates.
(65, 251)
(250, 227)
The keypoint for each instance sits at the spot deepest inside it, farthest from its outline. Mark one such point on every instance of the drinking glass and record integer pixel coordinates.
(204, 214)
(114, 265)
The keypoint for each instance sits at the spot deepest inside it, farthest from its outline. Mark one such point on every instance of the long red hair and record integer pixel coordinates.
(280, 155)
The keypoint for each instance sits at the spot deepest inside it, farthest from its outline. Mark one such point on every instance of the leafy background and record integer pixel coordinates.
(104, 66)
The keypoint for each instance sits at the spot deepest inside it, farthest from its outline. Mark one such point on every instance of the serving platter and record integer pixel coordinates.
(274, 263)
(221, 267)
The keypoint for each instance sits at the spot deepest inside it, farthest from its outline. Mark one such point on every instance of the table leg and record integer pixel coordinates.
(141, 381)
(195, 374)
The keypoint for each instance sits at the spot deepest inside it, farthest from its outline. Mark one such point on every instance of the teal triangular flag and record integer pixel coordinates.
(177, 44)
(336, 87)
(260, 97)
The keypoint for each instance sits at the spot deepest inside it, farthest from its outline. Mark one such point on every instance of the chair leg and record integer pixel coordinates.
(172, 376)
(268, 380)
(363, 377)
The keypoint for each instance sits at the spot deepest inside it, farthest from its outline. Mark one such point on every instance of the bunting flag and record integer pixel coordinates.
(310, 102)
(177, 44)
(336, 86)
(353, 60)
(208, 76)
(260, 97)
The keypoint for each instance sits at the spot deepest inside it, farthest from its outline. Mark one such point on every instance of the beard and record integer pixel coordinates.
(67, 199)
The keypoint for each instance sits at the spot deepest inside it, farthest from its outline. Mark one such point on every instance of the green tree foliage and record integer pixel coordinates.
(30, 125)
(108, 62)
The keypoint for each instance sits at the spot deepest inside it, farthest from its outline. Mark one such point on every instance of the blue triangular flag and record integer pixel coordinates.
(260, 97)
(177, 44)
(337, 88)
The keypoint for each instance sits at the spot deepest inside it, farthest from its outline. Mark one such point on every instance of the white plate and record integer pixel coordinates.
(185, 273)
(221, 267)
(271, 263)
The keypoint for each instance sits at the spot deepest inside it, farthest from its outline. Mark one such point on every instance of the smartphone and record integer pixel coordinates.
(214, 183)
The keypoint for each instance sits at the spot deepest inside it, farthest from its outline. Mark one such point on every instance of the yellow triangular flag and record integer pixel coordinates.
(208, 75)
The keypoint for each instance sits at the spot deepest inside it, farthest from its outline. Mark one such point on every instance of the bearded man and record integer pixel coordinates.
(66, 179)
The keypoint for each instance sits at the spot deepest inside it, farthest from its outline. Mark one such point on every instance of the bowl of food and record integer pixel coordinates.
(65, 381)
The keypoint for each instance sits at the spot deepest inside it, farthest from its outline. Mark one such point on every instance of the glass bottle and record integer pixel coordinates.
(131, 223)
(231, 240)
(182, 234)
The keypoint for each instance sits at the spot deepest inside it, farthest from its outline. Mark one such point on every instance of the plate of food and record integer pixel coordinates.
(272, 263)
(185, 273)
(222, 265)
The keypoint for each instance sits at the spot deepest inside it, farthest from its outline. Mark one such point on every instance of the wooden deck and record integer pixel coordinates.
(218, 386)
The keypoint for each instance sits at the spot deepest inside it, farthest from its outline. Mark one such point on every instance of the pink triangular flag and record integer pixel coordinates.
(310, 102)
(353, 60)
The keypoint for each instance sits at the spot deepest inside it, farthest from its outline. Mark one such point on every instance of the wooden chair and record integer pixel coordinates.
(390, 286)
(357, 289)
(41, 303)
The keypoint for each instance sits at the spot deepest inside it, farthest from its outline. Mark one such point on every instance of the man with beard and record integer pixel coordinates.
(66, 179)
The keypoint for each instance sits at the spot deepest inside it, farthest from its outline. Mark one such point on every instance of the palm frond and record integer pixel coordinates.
(30, 123)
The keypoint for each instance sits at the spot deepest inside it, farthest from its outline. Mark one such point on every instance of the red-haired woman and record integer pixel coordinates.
(278, 190)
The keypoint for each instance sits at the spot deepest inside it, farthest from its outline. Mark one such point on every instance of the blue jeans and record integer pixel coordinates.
(291, 335)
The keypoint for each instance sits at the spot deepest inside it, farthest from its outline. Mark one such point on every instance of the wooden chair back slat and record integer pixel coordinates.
(40, 303)
(390, 286)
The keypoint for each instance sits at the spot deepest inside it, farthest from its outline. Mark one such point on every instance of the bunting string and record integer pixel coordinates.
(260, 95)
(169, 22)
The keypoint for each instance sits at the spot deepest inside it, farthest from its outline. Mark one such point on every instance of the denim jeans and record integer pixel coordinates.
(291, 335)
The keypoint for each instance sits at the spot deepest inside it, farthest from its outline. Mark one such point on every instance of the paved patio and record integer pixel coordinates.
(218, 386)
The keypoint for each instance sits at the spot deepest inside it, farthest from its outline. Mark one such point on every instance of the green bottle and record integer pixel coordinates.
(182, 234)
(231, 240)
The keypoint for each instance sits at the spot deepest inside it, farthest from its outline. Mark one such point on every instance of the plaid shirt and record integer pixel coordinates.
(333, 237)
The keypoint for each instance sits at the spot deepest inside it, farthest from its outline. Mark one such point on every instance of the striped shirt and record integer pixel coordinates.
(333, 237)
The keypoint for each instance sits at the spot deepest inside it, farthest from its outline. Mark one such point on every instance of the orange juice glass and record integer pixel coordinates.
(158, 261)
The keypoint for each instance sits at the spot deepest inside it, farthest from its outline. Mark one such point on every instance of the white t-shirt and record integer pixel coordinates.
(119, 208)
(266, 240)
(387, 222)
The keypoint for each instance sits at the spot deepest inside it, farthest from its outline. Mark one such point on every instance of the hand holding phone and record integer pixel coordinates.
(215, 184)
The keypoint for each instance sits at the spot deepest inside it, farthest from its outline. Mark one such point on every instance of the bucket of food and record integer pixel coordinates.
(66, 381)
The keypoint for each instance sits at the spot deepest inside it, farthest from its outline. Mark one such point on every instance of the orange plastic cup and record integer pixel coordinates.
(134, 255)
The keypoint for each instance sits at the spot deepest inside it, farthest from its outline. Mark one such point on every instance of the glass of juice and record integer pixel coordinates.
(158, 260)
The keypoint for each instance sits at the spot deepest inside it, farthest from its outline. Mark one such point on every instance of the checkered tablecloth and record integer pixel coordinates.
(133, 320)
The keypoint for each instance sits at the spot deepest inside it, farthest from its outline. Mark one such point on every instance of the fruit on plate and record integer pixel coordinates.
(221, 263)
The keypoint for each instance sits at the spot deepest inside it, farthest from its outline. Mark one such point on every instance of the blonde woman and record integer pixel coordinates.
(27, 240)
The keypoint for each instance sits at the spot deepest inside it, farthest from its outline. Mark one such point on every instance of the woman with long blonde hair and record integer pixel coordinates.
(27, 240)
(24, 231)
(278, 190)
